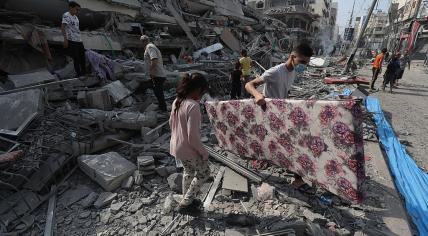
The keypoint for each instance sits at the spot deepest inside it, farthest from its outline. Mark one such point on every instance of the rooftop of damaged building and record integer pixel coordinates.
(90, 155)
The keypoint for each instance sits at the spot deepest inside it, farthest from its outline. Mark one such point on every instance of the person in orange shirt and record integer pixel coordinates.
(377, 67)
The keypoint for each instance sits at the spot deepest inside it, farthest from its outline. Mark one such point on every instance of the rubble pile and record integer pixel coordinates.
(93, 152)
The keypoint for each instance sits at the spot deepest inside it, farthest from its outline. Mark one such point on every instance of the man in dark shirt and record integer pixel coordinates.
(236, 77)
(391, 72)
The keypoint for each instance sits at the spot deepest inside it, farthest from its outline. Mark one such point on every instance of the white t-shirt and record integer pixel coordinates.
(152, 52)
(278, 81)
(72, 30)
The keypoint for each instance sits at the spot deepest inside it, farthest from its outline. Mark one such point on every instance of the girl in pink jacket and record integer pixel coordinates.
(186, 145)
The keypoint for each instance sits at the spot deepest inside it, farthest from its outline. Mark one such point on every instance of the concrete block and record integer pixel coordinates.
(104, 199)
(108, 169)
(128, 182)
(99, 99)
(175, 182)
(148, 138)
(81, 99)
(115, 207)
(145, 161)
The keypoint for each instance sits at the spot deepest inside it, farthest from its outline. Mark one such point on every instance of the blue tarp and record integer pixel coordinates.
(411, 181)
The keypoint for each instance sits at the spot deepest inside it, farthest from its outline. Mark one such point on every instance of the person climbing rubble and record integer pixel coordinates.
(236, 78)
(72, 38)
(154, 67)
(278, 81)
(186, 145)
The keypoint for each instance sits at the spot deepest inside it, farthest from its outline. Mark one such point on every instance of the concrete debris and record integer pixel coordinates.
(117, 91)
(108, 170)
(127, 183)
(28, 104)
(116, 207)
(175, 182)
(74, 195)
(110, 120)
(234, 181)
(265, 192)
(104, 199)
(33, 78)
(89, 200)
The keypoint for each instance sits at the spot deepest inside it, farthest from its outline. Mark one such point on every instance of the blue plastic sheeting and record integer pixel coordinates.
(410, 180)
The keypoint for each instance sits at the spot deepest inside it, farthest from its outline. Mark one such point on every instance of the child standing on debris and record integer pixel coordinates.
(245, 62)
(186, 145)
(278, 81)
(236, 77)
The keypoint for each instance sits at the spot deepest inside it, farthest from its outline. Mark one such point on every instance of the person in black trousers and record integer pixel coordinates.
(154, 68)
(72, 38)
(236, 77)
(391, 72)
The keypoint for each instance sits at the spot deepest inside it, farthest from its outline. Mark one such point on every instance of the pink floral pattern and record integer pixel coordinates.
(320, 140)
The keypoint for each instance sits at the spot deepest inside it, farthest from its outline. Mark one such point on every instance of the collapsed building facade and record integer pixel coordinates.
(90, 156)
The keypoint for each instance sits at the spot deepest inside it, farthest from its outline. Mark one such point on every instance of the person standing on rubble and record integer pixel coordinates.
(235, 78)
(278, 81)
(246, 63)
(391, 73)
(186, 145)
(72, 38)
(154, 67)
(377, 67)
(404, 61)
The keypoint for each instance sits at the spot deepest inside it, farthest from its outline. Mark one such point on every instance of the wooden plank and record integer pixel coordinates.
(234, 181)
(214, 187)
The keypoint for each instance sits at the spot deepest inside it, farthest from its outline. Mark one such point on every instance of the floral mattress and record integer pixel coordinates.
(319, 140)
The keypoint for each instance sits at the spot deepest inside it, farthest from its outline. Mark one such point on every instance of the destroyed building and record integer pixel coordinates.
(90, 155)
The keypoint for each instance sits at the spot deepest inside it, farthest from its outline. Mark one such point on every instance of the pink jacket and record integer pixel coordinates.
(185, 132)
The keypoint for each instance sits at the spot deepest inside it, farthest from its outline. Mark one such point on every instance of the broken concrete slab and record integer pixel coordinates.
(148, 136)
(175, 182)
(99, 99)
(128, 182)
(234, 181)
(89, 200)
(138, 178)
(230, 40)
(108, 169)
(135, 207)
(115, 207)
(33, 78)
(17, 205)
(74, 195)
(145, 161)
(208, 50)
(114, 119)
(18, 110)
(104, 199)
(117, 91)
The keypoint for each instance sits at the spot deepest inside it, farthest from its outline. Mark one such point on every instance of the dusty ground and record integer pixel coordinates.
(407, 109)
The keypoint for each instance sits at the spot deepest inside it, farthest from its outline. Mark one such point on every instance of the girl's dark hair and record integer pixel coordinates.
(188, 84)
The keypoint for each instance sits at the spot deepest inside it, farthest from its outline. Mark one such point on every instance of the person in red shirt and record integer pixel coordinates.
(377, 67)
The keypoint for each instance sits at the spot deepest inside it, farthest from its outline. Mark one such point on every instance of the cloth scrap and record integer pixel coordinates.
(101, 65)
